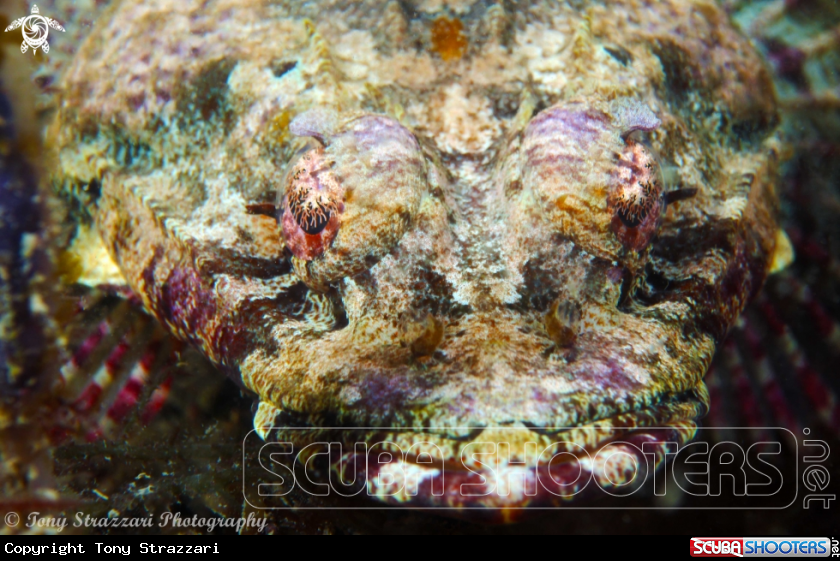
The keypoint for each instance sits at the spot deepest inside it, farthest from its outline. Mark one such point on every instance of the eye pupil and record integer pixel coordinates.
(315, 223)
(636, 203)
(631, 220)
(309, 210)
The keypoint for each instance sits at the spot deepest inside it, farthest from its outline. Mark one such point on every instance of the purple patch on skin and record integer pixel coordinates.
(182, 301)
(373, 131)
(789, 62)
(186, 302)
(615, 274)
(230, 342)
(581, 126)
(558, 139)
(387, 393)
(607, 374)
(634, 116)
(538, 155)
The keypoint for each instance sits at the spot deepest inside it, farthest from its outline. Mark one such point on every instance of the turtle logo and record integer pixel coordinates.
(35, 30)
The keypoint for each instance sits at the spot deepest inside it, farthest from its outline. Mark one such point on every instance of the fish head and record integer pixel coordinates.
(538, 238)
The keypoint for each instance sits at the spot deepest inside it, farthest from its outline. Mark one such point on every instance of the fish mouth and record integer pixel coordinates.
(497, 474)
(521, 428)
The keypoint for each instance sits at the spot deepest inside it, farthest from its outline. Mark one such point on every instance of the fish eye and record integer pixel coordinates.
(349, 197)
(635, 196)
(311, 209)
(596, 180)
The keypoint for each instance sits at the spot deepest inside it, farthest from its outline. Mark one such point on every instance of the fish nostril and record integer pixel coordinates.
(561, 322)
(423, 336)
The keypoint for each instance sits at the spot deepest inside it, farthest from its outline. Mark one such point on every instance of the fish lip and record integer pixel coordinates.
(671, 420)
(543, 486)
(656, 406)
(339, 452)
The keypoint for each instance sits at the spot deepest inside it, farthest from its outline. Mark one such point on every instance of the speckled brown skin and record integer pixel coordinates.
(476, 191)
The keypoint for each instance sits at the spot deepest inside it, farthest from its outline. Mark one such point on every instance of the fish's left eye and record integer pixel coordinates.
(635, 196)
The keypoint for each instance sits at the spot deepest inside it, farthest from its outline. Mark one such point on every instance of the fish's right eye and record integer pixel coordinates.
(312, 203)
(351, 195)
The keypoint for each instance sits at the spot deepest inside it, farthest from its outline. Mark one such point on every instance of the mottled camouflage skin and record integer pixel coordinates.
(174, 117)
